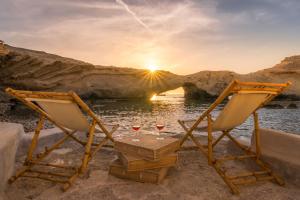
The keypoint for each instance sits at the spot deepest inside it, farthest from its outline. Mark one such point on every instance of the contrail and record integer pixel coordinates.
(122, 3)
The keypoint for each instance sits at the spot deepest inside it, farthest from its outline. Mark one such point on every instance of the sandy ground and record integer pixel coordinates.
(192, 178)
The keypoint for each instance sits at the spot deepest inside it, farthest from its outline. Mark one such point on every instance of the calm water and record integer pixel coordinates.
(174, 106)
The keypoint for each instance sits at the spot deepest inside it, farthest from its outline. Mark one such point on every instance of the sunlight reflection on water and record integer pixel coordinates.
(175, 106)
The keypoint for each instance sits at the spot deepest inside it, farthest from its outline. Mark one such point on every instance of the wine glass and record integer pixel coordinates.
(136, 125)
(160, 124)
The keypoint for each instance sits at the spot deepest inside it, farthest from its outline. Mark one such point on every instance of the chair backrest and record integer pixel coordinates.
(238, 109)
(62, 108)
(246, 98)
(64, 112)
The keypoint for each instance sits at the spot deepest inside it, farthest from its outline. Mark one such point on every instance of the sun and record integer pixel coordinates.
(152, 68)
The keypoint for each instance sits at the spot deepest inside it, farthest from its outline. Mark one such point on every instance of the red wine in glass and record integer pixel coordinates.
(136, 127)
(160, 124)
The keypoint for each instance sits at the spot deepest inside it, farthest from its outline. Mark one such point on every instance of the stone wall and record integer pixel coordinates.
(10, 136)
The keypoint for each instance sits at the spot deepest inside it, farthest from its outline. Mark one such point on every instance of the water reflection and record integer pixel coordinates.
(175, 106)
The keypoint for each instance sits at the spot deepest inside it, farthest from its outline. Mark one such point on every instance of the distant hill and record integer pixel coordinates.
(36, 70)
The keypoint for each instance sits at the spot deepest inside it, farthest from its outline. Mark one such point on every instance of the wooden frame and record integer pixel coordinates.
(90, 148)
(273, 89)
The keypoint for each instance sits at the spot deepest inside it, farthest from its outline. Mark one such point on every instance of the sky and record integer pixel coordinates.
(182, 36)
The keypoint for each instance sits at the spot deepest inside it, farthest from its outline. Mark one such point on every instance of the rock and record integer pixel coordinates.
(193, 92)
(292, 105)
(10, 135)
(213, 83)
(274, 106)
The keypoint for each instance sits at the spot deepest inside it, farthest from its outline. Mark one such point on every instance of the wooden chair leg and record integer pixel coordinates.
(232, 187)
(32, 162)
(30, 152)
(34, 140)
(257, 135)
(88, 146)
(209, 140)
(220, 137)
(185, 137)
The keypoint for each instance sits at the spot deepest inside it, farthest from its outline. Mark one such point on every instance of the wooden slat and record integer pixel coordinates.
(53, 165)
(132, 163)
(256, 92)
(234, 158)
(244, 181)
(148, 176)
(47, 173)
(45, 178)
(264, 84)
(253, 180)
(245, 174)
(258, 89)
(232, 187)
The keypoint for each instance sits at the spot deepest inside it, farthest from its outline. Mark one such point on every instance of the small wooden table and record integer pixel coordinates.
(146, 159)
(149, 147)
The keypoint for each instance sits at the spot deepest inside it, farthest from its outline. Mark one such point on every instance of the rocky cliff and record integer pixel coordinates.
(36, 70)
(211, 83)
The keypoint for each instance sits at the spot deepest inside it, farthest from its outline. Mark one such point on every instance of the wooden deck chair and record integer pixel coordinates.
(64, 110)
(246, 98)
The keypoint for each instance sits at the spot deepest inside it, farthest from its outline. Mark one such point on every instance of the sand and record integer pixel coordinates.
(192, 178)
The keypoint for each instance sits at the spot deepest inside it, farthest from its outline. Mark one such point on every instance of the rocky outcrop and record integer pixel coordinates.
(287, 70)
(36, 70)
(207, 83)
(213, 82)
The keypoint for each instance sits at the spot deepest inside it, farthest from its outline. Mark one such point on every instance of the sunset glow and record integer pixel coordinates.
(184, 37)
(152, 68)
(151, 63)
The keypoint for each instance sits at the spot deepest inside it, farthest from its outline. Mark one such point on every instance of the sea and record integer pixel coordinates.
(171, 106)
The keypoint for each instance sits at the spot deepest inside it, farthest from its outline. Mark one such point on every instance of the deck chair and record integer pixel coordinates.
(64, 110)
(245, 98)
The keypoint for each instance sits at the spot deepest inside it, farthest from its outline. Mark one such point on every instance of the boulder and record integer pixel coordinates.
(10, 135)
